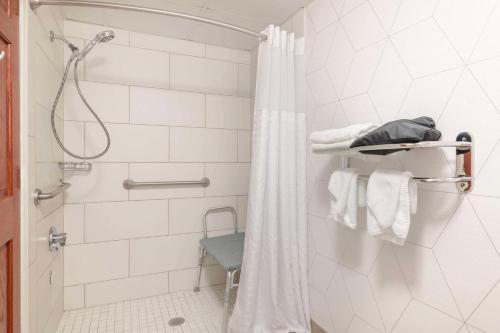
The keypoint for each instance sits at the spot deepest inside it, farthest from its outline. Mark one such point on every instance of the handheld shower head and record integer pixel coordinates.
(105, 36)
(77, 56)
(101, 37)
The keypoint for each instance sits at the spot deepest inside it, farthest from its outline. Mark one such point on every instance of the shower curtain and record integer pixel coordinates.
(273, 290)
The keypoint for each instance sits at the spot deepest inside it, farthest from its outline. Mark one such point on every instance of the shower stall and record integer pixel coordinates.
(140, 120)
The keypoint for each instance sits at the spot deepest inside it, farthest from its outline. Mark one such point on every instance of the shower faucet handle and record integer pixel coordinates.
(56, 240)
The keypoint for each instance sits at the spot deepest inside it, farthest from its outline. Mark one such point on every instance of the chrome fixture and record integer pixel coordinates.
(101, 37)
(464, 150)
(230, 209)
(75, 166)
(129, 184)
(56, 240)
(176, 321)
(462, 145)
(39, 195)
(2, 55)
(34, 4)
(458, 179)
(464, 163)
(53, 37)
(77, 56)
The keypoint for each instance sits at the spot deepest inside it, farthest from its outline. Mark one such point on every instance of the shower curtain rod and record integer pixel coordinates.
(34, 4)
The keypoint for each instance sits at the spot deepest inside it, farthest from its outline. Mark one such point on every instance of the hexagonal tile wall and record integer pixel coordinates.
(380, 60)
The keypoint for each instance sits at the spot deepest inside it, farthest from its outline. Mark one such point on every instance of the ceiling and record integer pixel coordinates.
(251, 14)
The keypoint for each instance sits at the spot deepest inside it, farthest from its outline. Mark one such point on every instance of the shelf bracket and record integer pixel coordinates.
(465, 163)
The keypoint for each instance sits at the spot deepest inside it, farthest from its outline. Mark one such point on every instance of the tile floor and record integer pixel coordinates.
(202, 312)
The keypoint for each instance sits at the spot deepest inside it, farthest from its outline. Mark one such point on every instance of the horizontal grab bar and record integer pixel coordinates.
(129, 184)
(39, 195)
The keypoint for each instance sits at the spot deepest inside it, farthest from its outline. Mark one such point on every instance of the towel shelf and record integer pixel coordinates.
(464, 149)
(129, 184)
(39, 195)
(459, 145)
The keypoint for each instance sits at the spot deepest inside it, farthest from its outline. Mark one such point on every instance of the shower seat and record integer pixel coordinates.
(227, 251)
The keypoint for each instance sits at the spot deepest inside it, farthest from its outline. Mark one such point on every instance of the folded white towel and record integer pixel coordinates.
(329, 147)
(391, 198)
(318, 147)
(342, 134)
(343, 187)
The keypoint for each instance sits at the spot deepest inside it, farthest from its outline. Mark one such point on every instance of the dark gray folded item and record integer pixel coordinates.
(399, 131)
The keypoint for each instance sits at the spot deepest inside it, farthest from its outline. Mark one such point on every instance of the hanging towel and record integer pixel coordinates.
(399, 131)
(342, 134)
(343, 187)
(391, 199)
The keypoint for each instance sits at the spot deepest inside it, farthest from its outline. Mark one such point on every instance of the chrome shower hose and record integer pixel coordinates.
(74, 56)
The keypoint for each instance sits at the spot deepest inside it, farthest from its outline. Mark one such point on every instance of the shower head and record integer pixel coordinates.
(102, 37)
(105, 36)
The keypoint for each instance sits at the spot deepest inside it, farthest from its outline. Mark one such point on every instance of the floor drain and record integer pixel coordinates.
(177, 321)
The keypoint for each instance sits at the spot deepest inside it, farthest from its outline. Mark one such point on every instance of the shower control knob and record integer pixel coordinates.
(56, 240)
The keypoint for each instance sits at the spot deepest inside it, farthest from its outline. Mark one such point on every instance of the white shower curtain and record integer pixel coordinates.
(273, 291)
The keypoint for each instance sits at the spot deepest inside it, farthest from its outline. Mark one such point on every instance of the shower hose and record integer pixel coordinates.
(74, 56)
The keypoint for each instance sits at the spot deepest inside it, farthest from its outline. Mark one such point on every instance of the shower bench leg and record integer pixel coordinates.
(227, 296)
(203, 252)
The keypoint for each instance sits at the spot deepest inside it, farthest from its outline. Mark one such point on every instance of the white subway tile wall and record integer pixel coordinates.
(45, 270)
(125, 289)
(203, 145)
(161, 43)
(131, 143)
(166, 107)
(204, 75)
(128, 65)
(112, 101)
(377, 61)
(175, 110)
(93, 262)
(228, 112)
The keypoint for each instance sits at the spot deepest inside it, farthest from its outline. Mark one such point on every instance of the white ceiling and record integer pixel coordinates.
(250, 14)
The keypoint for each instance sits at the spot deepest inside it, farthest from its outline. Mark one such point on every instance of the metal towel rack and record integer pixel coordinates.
(464, 149)
(39, 195)
(130, 184)
(459, 145)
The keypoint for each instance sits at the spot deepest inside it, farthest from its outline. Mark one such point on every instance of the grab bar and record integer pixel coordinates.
(39, 195)
(130, 184)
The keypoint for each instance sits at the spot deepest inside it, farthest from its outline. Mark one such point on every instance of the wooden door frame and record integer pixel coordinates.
(9, 28)
(26, 196)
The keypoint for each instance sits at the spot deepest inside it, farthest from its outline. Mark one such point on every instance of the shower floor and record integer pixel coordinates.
(202, 313)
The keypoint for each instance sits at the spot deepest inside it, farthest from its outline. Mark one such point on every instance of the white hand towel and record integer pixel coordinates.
(342, 134)
(343, 187)
(391, 199)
